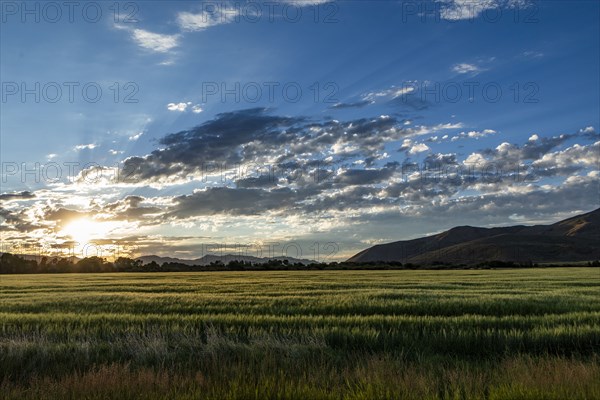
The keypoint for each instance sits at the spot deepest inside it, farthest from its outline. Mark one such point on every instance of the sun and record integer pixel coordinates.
(84, 230)
(89, 237)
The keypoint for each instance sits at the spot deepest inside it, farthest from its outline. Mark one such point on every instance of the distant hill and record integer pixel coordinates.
(225, 259)
(574, 239)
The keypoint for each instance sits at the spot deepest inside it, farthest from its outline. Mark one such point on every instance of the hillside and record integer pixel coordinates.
(573, 239)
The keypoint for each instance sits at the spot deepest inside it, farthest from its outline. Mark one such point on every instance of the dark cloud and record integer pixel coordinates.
(256, 182)
(536, 158)
(314, 186)
(230, 201)
(63, 214)
(536, 149)
(532, 150)
(254, 136)
(131, 209)
(439, 160)
(230, 138)
(352, 177)
(353, 198)
(16, 220)
(25, 195)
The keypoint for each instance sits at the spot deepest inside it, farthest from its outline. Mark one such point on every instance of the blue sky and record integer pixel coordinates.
(387, 89)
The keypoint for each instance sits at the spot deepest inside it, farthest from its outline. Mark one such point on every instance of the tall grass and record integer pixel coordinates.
(302, 334)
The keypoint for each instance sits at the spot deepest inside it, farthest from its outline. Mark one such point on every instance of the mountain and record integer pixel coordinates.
(574, 239)
(225, 259)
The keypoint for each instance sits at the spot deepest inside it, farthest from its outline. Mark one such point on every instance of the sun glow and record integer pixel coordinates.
(84, 230)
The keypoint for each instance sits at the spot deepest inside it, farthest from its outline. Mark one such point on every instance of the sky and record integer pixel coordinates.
(311, 129)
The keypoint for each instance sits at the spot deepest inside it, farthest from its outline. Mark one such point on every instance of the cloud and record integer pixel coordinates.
(409, 95)
(356, 104)
(268, 180)
(185, 106)
(223, 13)
(156, 42)
(508, 153)
(218, 15)
(136, 136)
(89, 146)
(25, 195)
(465, 9)
(533, 54)
(352, 177)
(16, 220)
(256, 136)
(334, 192)
(230, 138)
(181, 107)
(130, 209)
(336, 170)
(455, 10)
(302, 3)
(535, 159)
(392, 92)
(406, 144)
(473, 134)
(418, 148)
(589, 132)
(537, 205)
(465, 68)
(576, 155)
(240, 201)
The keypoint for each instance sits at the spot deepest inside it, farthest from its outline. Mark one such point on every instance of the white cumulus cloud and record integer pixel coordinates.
(136, 136)
(181, 107)
(89, 146)
(156, 42)
(185, 106)
(418, 148)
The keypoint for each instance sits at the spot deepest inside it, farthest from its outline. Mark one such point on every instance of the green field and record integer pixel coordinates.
(484, 334)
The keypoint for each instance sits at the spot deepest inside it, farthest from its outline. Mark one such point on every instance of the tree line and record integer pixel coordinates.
(15, 264)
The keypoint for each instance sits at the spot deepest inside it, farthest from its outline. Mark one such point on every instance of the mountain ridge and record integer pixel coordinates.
(572, 239)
